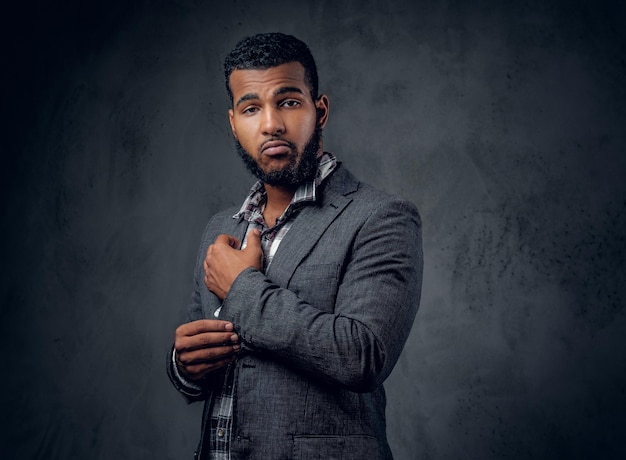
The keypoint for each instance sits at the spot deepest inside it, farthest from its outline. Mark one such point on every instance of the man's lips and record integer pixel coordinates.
(274, 148)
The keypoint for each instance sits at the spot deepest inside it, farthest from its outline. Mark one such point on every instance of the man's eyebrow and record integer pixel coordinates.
(247, 97)
(278, 92)
(287, 89)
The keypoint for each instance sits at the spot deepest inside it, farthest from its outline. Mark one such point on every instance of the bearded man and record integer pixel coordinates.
(304, 296)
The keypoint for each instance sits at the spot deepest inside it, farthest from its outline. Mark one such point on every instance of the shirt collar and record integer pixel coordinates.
(305, 193)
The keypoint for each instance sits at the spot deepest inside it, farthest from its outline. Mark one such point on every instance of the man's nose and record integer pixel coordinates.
(273, 123)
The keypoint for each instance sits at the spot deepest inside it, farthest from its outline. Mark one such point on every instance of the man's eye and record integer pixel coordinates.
(250, 110)
(290, 103)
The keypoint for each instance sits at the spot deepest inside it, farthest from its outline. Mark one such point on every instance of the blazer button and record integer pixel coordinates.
(220, 433)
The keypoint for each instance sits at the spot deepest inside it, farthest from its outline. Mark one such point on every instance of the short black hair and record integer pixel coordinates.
(263, 51)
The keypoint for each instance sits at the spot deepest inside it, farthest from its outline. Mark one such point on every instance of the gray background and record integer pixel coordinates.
(503, 121)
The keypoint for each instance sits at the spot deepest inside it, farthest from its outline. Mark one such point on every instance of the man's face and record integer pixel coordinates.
(276, 124)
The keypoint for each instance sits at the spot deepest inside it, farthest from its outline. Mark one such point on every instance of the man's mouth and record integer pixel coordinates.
(276, 148)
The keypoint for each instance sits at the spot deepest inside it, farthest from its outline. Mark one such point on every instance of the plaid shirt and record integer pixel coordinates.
(254, 205)
(252, 211)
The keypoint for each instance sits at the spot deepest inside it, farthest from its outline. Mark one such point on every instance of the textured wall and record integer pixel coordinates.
(503, 121)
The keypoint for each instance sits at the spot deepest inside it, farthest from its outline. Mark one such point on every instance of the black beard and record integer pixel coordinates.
(296, 172)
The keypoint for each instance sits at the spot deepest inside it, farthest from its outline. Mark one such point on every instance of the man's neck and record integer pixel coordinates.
(278, 199)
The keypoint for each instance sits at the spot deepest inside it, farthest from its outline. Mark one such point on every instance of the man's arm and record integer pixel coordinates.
(204, 345)
(358, 344)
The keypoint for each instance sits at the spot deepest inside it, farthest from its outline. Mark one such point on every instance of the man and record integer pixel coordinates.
(303, 298)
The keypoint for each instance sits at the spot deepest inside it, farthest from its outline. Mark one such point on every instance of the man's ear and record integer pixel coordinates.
(231, 114)
(322, 106)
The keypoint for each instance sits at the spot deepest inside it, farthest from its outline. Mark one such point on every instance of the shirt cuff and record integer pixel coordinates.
(186, 383)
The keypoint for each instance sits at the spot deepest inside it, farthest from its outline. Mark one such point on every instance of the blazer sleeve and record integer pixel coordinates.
(356, 342)
(190, 391)
(201, 306)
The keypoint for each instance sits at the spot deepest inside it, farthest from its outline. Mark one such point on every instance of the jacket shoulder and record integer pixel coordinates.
(365, 196)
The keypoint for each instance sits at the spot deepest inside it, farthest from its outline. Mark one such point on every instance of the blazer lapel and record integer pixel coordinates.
(310, 224)
(236, 228)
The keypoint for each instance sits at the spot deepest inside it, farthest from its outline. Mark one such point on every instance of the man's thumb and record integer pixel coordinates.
(254, 239)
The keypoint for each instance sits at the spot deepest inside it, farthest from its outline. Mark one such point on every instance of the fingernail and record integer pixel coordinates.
(236, 347)
(233, 338)
(228, 326)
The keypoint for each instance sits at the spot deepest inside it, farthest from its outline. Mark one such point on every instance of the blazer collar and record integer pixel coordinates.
(311, 223)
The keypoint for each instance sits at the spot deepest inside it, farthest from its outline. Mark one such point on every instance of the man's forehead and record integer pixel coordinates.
(290, 74)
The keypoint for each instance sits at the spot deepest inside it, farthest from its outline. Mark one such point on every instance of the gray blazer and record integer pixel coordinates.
(322, 329)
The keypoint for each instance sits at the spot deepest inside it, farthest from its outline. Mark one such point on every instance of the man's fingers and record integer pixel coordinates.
(254, 250)
(228, 240)
(254, 240)
(197, 363)
(206, 355)
(198, 371)
(205, 341)
(203, 325)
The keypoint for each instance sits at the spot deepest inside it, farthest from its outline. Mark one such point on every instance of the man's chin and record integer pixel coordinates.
(276, 164)
(280, 178)
(285, 170)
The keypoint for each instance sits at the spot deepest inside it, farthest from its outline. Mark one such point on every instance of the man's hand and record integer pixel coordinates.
(224, 262)
(204, 346)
